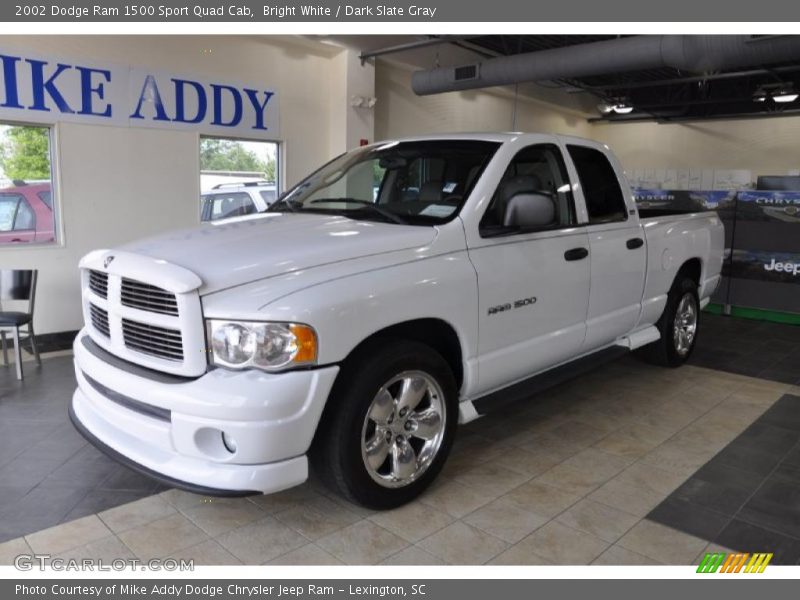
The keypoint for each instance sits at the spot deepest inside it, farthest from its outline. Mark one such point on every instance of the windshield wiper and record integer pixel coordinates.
(365, 203)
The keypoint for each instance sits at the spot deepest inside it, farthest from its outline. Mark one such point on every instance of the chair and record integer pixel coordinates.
(18, 285)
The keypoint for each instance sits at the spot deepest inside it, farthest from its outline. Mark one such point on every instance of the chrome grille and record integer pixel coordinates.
(98, 283)
(148, 297)
(156, 341)
(99, 320)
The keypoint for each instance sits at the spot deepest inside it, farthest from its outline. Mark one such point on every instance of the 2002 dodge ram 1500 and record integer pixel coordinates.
(402, 288)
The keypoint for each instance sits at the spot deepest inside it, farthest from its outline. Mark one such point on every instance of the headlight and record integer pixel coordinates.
(269, 346)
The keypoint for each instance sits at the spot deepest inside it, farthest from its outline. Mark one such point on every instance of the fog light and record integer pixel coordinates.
(229, 443)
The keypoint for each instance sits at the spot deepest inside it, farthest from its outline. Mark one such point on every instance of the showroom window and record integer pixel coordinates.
(26, 197)
(600, 186)
(237, 177)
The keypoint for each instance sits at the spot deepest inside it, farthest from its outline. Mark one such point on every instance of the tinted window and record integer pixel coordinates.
(538, 169)
(600, 185)
(225, 205)
(25, 217)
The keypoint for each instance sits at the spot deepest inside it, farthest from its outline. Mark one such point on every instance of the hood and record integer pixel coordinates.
(272, 244)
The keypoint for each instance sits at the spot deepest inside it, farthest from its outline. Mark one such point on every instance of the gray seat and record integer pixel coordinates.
(431, 192)
(519, 184)
(18, 286)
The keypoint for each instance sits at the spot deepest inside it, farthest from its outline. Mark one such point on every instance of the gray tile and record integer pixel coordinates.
(746, 537)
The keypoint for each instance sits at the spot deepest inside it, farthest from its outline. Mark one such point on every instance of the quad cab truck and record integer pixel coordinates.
(400, 290)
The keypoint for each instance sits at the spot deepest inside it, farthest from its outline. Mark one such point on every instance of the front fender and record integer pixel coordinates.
(348, 310)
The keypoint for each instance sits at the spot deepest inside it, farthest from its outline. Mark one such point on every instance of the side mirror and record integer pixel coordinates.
(530, 211)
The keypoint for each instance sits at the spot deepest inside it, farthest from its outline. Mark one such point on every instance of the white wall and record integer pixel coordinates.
(764, 146)
(118, 184)
(400, 112)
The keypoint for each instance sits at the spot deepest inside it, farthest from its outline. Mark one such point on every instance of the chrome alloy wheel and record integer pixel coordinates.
(685, 325)
(403, 429)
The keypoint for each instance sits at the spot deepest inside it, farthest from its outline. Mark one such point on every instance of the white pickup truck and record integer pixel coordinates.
(401, 289)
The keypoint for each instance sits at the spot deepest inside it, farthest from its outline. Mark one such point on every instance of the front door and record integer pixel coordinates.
(533, 284)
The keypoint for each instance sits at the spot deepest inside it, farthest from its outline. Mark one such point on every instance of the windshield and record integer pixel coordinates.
(414, 183)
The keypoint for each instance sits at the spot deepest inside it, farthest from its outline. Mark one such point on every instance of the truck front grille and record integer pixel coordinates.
(153, 340)
(147, 297)
(98, 283)
(99, 320)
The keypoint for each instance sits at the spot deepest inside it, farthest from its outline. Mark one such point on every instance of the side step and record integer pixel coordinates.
(543, 381)
(640, 338)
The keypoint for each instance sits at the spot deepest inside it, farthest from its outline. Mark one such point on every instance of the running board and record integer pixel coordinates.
(640, 338)
(543, 381)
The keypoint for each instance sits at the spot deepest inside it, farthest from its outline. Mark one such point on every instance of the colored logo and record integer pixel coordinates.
(735, 562)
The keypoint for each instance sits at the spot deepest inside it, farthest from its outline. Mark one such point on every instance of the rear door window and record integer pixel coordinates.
(47, 198)
(26, 219)
(601, 190)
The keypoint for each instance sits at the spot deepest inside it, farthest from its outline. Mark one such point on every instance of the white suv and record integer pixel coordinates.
(228, 202)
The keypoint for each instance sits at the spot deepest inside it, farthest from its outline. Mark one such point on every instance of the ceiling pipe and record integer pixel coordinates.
(692, 53)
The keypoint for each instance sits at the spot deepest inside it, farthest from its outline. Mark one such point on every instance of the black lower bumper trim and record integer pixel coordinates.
(166, 480)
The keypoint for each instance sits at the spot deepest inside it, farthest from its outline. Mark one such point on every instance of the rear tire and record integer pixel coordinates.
(388, 424)
(679, 325)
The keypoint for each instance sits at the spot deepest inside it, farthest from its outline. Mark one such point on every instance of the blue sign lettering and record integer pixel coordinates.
(87, 91)
(237, 105)
(259, 106)
(180, 101)
(41, 86)
(150, 93)
(10, 80)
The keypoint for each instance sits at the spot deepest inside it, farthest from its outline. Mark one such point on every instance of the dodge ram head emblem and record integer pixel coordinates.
(107, 261)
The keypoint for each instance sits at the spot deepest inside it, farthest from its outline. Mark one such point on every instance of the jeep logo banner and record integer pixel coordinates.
(38, 89)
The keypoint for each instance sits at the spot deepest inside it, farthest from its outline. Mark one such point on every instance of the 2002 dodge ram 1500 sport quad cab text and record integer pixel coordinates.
(402, 288)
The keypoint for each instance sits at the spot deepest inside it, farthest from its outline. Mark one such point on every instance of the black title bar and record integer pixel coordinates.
(461, 11)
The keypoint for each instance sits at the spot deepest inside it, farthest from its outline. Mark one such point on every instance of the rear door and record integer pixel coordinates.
(533, 285)
(616, 243)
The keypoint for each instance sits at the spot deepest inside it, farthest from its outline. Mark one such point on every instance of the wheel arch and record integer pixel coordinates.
(433, 332)
(691, 268)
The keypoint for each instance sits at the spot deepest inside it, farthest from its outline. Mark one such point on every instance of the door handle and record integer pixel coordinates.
(576, 254)
(634, 243)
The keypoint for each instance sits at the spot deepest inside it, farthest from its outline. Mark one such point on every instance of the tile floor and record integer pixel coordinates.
(569, 478)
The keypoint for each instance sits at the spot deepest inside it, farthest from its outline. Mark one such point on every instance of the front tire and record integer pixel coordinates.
(389, 424)
(679, 325)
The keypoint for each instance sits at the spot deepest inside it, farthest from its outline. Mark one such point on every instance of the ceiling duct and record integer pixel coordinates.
(692, 53)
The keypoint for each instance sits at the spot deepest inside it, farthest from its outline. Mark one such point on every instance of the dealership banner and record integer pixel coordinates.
(765, 263)
(50, 89)
(762, 242)
(399, 11)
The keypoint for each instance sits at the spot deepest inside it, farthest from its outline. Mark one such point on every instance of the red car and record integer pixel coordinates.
(26, 214)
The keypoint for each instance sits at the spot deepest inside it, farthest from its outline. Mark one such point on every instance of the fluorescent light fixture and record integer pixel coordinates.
(623, 109)
(784, 97)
